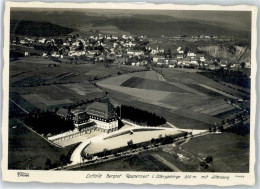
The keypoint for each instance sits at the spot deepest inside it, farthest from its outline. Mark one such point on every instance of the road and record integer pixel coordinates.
(76, 155)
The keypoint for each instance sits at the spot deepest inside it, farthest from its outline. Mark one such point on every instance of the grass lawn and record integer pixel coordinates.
(26, 149)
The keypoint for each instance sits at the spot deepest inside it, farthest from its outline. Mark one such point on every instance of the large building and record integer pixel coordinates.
(101, 113)
(104, 116)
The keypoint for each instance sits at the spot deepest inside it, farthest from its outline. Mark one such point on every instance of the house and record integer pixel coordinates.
(156, 58)
(248, 65)
(179, 56)
(186, 61)
(22, 42)
(138, 53)
(194, 62)
(64, 113)
(43, 40)
(178, 49)
(201, 57)
(130, 52)
(213, 67)
(191, 54)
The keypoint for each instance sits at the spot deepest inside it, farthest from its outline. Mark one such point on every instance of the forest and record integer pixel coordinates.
(140, 116)
(48, 123)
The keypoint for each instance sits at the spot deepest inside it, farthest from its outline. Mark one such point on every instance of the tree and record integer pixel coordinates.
(104, 152)
(48, 163)
(209, 159)
(243, 64)
(153, 140)
(229, 65)
(80, 47)
(63, 159)
(130, 143)
(215, 64)
(89, 157)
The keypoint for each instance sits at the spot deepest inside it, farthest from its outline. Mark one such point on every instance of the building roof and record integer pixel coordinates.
(102, 110)
(64, 112)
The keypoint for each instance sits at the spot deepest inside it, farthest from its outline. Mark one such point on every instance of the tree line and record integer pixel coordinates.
(229, 76)
(140, 116)
(48, 123)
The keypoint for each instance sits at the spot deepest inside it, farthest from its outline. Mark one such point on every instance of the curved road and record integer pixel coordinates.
(76, 155)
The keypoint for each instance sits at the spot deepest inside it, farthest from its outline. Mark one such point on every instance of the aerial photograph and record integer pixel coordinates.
(129, 90)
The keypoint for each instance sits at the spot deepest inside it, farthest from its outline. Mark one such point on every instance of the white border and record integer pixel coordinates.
(79, 176)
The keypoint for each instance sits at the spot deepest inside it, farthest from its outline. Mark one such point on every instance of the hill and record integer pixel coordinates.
(39, 29)
(137, 24)
(155, 28)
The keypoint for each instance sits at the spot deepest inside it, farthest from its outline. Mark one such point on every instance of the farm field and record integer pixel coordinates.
(187, 78)
(65, 72)
(141, 83)
(229, 156)
(180, 100)
(178, 120)
(197, 116)
(118, 80)
(44, 97)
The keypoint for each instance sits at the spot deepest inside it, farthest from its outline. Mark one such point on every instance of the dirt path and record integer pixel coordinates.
(167, 163)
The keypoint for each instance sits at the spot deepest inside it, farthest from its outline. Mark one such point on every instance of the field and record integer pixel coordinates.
(141, 83)
(66, 72)
(176, 98)
(45, 97)
(23, 153)
(193, 79)
(230, 151)
(33, 81)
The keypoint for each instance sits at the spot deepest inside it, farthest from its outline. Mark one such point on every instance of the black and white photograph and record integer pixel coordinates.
(149, 92)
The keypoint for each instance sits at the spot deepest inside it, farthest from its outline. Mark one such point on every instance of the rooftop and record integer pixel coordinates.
(102, 110)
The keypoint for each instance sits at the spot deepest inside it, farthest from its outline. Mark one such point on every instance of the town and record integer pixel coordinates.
(128, 50)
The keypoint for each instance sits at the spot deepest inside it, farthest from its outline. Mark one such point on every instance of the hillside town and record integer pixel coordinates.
(125, 49)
